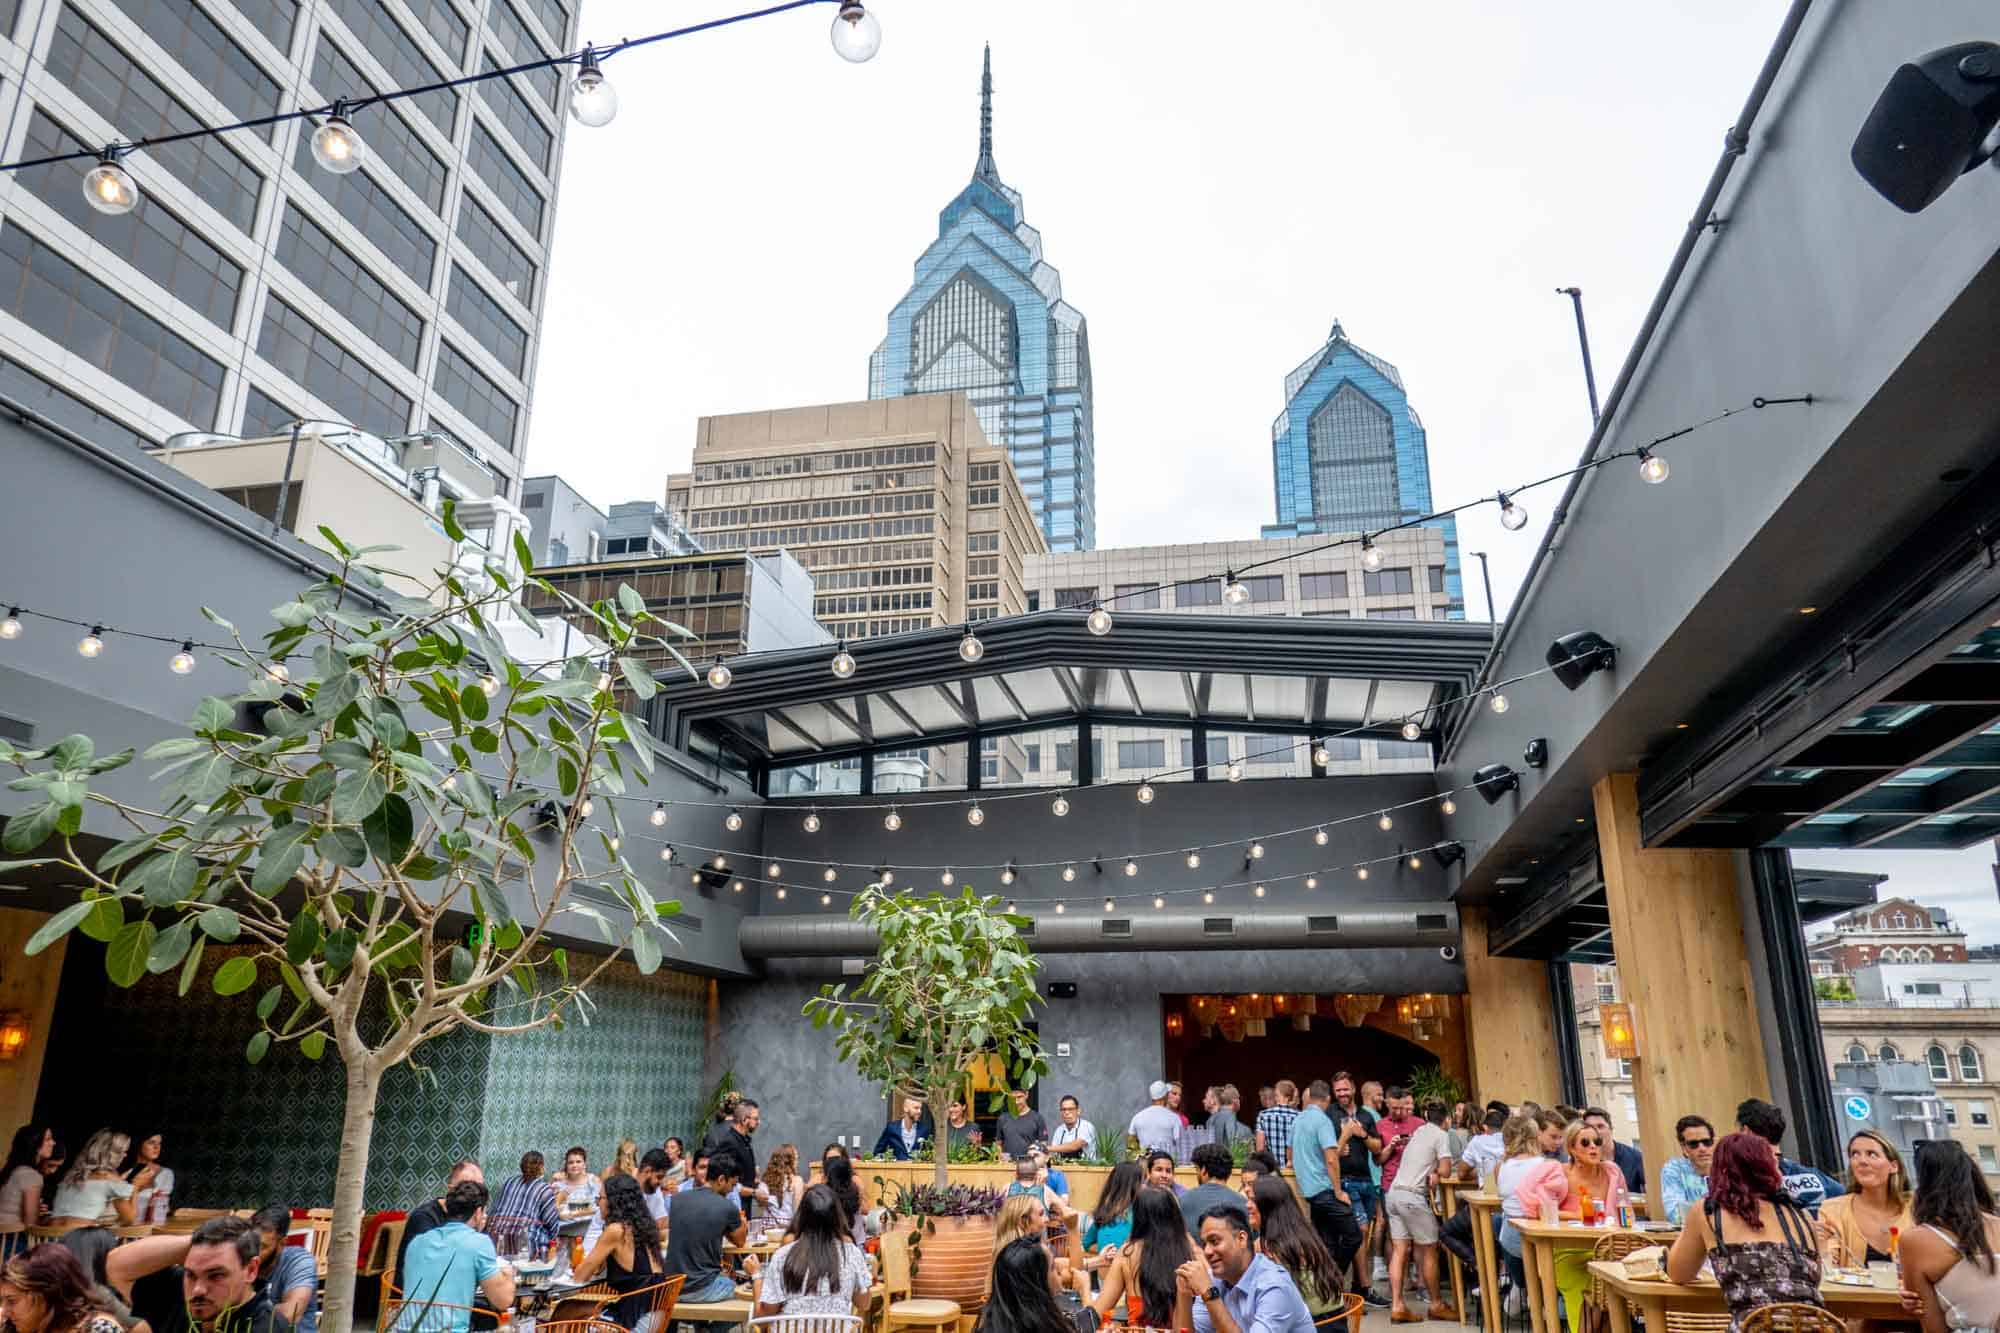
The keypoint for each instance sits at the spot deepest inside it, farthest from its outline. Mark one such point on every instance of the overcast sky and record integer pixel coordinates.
(1216, 185)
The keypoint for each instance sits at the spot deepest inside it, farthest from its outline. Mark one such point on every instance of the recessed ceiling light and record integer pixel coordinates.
(1807, 610)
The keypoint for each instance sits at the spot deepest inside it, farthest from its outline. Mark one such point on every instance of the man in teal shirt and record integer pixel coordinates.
(1316, 1147)
(1684, 1180)
(449, 1265)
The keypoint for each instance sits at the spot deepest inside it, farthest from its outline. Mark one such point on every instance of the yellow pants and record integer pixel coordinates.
(1572, 1280)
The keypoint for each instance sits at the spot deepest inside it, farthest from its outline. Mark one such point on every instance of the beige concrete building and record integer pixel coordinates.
(907, 517)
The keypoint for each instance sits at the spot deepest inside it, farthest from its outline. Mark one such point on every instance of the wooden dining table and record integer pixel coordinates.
(1653, 1298)
(1539, 1242)
(1484, 1205)
(1450, 1194)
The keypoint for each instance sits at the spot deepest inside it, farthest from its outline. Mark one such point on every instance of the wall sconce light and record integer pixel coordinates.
(14, 1033)
(1621, 1042)
(1175, 1024)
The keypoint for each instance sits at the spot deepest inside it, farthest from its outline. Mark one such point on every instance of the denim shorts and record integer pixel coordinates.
(1366, 1198)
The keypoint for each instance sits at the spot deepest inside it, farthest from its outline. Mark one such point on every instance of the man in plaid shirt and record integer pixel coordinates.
(1274, 1123)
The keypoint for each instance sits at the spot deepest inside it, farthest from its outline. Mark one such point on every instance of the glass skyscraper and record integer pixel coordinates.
(1349, 455)
(986, 315)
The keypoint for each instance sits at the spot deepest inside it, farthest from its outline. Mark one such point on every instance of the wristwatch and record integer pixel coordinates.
(1214, 1293)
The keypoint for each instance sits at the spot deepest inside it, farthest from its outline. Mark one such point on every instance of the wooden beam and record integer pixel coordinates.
(1510, 1025)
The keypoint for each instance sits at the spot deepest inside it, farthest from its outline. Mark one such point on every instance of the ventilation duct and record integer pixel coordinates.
(1416, 925)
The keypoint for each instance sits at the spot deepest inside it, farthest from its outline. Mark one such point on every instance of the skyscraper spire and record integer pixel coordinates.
(985, 170)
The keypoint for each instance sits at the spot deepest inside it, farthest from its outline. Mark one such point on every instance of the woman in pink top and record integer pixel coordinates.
(1564, 1185)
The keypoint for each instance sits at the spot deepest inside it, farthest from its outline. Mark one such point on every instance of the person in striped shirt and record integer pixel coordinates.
(524, 1210)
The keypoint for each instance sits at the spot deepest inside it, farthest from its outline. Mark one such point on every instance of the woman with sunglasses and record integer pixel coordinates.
(1588, 1172)
(1854, 1228)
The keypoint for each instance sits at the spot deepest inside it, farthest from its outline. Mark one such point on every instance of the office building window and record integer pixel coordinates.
(345, 283)
(1392, 613)
(1075, 597)
(441, 19)
(64, 408)
(513, 112)
(1208, 592)
(274, 18)
(1351, 443)
(1437, 578)
(516, 192)
(491, 245)
(1135, 597)
(1321, 586)
(1142, 754)
(1387, 582)
(1265, 587)
(264, 415)
(384, 38)
(482, 401)
(1218, 752)
(1950, 1112)
(1989, 1159)
(513, 35)
(87, 62)
(150, 238)
(90, 320)
(343, 381)
(554, 16)
(368, 208)
(190, 36)
(483, 318)
(391, 140)
(1979, 1112)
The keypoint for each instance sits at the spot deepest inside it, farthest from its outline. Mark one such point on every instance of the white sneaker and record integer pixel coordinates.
(1381, 1270)
(1511, 1304)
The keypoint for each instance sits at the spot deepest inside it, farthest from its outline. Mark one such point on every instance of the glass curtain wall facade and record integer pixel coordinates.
(250, 287)
(1348, 454)
(986, 315)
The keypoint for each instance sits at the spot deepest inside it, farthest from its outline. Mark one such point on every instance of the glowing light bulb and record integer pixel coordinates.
(278, 673)
(975, 816)
(1158, 901)
(1131, 868)
(1448, 806)
(826, 900)
(658, 819)
(108, 187)
(944, 878)
(587, 808)
(811, 822)
(1233, 590)
(1059, 909)
(1412, 731)
(843, 662)
(10, 628)
(603, 681)
(1069, 874)
(1012, 907)
(1098, 622)
(719, 675)
(1321, 757)
(336, 145)
(1145, 793)
(1007, 875)
(773, 870)
(721, 862)
(1653, 469)
(857, 34)
(1107, 904)
(779, 893)
(1312, 881)
(450, 782)
(1512, 516)
(615, 842)
(830, 874)
(1256, 851)
(736, 886)
(182, 662)
(1194, 860)
(1259, 890)
(1208, 896)
(490, 685)
(1234, 771)
(1385, 822)
(888, 877)
(1060, 806)
(893, 820)
(1498, 703)
(592, 99)
(1361, 872)
(1320, 836)
(1371, 554)
(1416, 863)
(91, 644)
(970, 648)
(667, 853)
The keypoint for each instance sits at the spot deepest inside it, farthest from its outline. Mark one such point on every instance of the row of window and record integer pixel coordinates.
(826, 557)
(749, 469)
(896, 577)
(1971, 1069)
(738, 539)
(1149, 754)
(1264, 588)
(881, 601)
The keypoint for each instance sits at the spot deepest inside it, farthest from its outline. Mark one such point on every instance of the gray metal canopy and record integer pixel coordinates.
(1273, 674)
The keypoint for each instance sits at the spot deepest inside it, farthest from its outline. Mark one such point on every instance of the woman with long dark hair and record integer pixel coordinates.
(1143, 1275)
(1758, 1241)
(677, 1163)
(91, 1245)
(627, 1252)
(1287, 1238)
(822, 1271)
(1948, 1257)
(840, 1179)
(1023, 1299)
(47, 1291)
(21, 1178)
(146, 1173)
(1111, 1221)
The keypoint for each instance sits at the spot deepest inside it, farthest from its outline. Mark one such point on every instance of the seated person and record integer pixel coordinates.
(699, 1223)
(451, 1265)
(430, 1214)
(627, 1251)
(203, 1283)
(287, 1275)
(821, 1271)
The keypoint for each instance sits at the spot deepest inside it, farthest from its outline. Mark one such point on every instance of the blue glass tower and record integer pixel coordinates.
(1348, 453)
(986, 315)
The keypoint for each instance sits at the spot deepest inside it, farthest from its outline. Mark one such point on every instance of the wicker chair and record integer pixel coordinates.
(1792, 1317)
(426, 1316)
(1348, 1315)
(1614, 1246)
(382, 1258)
(808, 1323)
(659, 1314)
(1688, 1321)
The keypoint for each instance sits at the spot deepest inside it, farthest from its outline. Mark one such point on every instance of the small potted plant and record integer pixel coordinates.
(951, 1238)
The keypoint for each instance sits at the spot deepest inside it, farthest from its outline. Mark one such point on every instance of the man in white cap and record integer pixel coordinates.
(1155, 1126)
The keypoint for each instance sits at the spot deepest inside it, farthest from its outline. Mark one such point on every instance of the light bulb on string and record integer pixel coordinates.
(1233, 770)
(1059, 807)
(1007, 875)
(1131, 868)
(887, 877)
(1098, 622)
(733, 821)
(1208, 896)
(1653, 469)
(1361, 872)
(1320, 835)
(975, 816)
(779, 893)
(10, 628)
(773, 870)
(944, 878)
(694, 877)
(719, 675)
(1069, 874)
(811, 822)
(278, 673)
(336, 145)
(1416, 862)
(658, 819)
(1371, 554)
(843, 661)
(893, 820)
(969, 647)
(830, 874)
(1320, 756)
(1194, 860)
(1233, 590)
(667, 852)
(1256, 851)
(1059, 909)
(720, 861)
(1412, 730)
(857, 34)
(182, 662)
(1158, 902)
(1498, 703)
(108, 187)
(1012, 907)
(450, 782)
(603, 681)
(1145, 793)
(1385, 822)
(489, 685)
(1312, 881)
(736, 886)
(592, 99)
(1512, 516)
(614, 842)
(1259, 890)
(1107, 904)
(91, 644)
(826, 900)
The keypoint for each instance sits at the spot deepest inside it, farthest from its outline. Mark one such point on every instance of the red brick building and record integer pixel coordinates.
(1895, 930)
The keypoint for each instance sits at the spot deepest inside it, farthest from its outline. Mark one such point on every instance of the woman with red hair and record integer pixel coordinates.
(1757, 1240)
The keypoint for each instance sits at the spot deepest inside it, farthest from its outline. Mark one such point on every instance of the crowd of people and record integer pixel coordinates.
(117, 1176)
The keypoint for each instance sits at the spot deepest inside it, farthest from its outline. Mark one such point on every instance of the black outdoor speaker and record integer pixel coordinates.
(1449, 854)
(1495, 781)
(1578, 655)
(1536, 753)
(1928, 126)
(1062, 990)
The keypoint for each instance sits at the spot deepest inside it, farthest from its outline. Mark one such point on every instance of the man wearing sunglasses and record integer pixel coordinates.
(1684, 1180)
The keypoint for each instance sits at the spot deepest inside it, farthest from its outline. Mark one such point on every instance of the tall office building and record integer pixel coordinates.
(986, 315)
(251, 287)
(1348, 453)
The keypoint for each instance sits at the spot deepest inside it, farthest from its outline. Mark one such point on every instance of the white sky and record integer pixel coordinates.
(1216, 183)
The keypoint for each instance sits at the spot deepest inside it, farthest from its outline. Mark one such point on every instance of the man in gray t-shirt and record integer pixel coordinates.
(1021, 1128)
(1411, 1222)
(1155, 1126)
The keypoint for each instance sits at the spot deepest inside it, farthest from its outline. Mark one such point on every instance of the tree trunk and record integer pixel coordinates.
(357, 1132)
(941, 1133)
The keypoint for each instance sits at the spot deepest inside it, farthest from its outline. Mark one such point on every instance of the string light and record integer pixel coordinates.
(779, 893)
(1371, 554)
(719, 675)
(1320, 757)
(1448, 806)
(975, 816)
(886, 877)
(826, 900)
(1098, 622)
(1233, 771)
(91, 644)
(811, 822)
(1145, 793)
(1131, 868)
(10, 628)
(736, 886)
(592, 99)
(658, 819)
(733, 821)
(1256, 851)
(893, 820)
(1060, 806)
(1208, 896)
(944, 878)
(1158, 902)
(1194, 860)
(1312, 881)
(1416, 862)
(667, 852)
(450, 783)
(1012, 907)
(1498, 703)
(1233, 590)
(1412, 731)
(1385, 822)
(108, 187)
(1320, 836)
(1107, 904)
(830, 874)
(1653, 469)
(614, 842)
(843, 661)
(1069, 874)
(1361, 872)
(856, 34)
(336, 145)
(278, 673)
(1512, 516)
(969, 647)
(182, 662)
(774, 870)
(720, 861)
(1259, 890)
(1007, 875)
(1059, 909)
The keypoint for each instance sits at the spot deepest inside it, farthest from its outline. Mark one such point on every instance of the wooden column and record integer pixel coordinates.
(27, 986)
(1678, 937)
(1510, 1028)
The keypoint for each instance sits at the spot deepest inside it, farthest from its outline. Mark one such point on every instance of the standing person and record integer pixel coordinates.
(1267, 1097)
(287, 1275)
(21, 1178)
(1174, 1095)
(148, 1176)
(92, 1190)
(1684, 1180)
(677, 1163)
(1213, 1168)
(524, 1213)
(899, 1138)
(203, 1283)
(698, 1224)
(1153, 1124)
(1947, 1259)
(1757, 1239)
(1317, 1148)
(576, 1188)
(627, 1252)
(1359, 1141)
(1234, 1289)
(960, 1131)
(1631, 1163)
(1274, 1123)
(1411, 1221)
(46, 1290)
(1854, 1229)
(733, 1135)
(822, 1271)
(1293, 1243)
(1020, 1128)
(1139, 1286)
(1223, 1103)
(1808, 1185)
(429, 1215)
(1023, 1298)
(1074, 1136)
(783, 1186)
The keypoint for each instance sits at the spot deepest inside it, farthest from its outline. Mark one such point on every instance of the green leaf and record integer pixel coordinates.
(521, 552)
(125, 851)
(30, 828)
(106, 916)
(345, 846)
(292, 982)
(235, 976)
(220, 924)
(313, 1045)
(461, 964)
(168, 876)
(645, 950)
(57, 926)
(192, 966)
(292, 614)
(303, 939)
(389, 830)
(205, 779)
(356, 796)
(472, 702)
(267, 1003)
(566, 778)
(259, 1047)
(340, 946)
(170, 946)
(450, 520)
(212, 715)
(72, 751)
(125, 960)
(485, 740)
(108, 762)
(638, 677)
(389, 724)
(560, 957)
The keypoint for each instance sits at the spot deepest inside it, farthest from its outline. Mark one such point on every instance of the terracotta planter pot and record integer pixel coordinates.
(953, 1259)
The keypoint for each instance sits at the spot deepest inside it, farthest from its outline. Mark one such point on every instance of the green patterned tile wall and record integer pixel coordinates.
(634, 1072)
